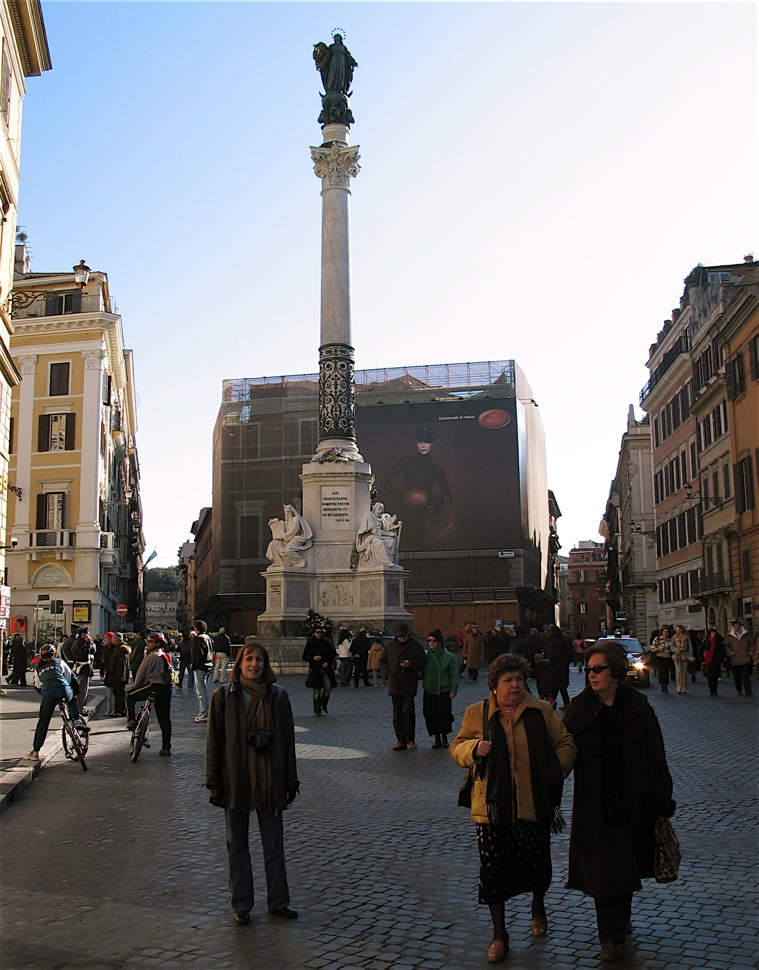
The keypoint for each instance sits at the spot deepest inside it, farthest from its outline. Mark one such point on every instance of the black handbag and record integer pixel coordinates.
(467, 782)
(314, 679)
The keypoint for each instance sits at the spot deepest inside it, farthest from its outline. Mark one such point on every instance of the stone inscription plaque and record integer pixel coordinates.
(335, 507)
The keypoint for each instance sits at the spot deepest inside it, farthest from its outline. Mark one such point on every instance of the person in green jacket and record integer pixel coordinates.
(441, 681)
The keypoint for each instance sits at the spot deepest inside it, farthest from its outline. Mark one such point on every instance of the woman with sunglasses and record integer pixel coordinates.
(622, 783)
(440, 684)
(521, 754)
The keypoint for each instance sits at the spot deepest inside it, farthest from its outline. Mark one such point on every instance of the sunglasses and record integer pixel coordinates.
(598, 669)
(431, 640)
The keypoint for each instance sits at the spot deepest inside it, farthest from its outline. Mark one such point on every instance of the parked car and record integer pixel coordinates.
(637, 666)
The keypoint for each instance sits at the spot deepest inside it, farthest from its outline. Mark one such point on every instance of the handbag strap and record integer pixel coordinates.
(485, 733)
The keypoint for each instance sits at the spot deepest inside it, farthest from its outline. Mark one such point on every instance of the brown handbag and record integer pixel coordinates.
(467, 782)
(667, 853)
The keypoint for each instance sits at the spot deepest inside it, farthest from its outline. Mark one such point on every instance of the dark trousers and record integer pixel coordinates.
(162, 706)
(238, 853)
(665, 669)
(742, 677)
(359, 670)
(712, 677)
(186, 664)
(119, 701)
(611, 916)
(49, 703)
(472, 671)
(404, 717)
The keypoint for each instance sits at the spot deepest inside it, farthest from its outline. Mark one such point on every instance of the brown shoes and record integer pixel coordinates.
(400, 746)
(608, 953)
(412, 745)
(498, 950)
(539, 923)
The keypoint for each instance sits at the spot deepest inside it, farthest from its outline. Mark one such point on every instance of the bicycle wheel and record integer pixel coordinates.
(73, 744)
(139, 735)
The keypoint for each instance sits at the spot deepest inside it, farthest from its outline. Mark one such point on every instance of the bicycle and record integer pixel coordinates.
(75, 741)
(139, 739)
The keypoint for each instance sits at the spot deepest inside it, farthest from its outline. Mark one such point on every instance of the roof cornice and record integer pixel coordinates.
(31, 37)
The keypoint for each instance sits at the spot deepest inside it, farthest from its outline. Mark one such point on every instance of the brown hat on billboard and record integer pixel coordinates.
(424, 433)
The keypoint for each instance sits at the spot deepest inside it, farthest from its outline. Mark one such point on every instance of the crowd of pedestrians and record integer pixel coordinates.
(514, 744)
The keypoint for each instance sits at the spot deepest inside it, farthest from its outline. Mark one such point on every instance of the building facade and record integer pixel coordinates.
(686, 398)
(457, 452)
(24, 53)
(77, 523)
(587, 589)
(631, 543)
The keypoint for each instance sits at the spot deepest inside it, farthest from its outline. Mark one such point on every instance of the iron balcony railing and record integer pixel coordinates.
(681, 346)
(52, 538)
(713, 583)
(64, 304)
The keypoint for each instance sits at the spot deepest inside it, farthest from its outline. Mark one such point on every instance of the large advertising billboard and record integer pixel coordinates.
(449, 470)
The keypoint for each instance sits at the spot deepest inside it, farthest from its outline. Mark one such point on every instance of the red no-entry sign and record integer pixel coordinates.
(122, 609)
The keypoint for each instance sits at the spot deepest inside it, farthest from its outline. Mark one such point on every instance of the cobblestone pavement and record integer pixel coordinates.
(124, 866)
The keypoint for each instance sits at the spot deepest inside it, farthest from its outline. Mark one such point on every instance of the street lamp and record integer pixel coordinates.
(14, 543)
(637, 527)
(81, 274)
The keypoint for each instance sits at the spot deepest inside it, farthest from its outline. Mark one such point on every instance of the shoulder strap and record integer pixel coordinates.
(485, 734)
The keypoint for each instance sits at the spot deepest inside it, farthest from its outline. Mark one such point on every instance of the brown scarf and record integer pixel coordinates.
(260, 766)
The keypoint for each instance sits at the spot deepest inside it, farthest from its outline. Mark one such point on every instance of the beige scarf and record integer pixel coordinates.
(260, 766)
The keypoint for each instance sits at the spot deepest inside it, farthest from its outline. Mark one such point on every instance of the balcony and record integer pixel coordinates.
(62, 304)
(681, 346)
(645, 578)
(713, 583)
(45, 541)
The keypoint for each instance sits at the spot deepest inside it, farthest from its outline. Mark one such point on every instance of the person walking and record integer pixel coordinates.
(185, 660)
(373, 662)
(202, 665)
(621, 784)
(83, 656)
(738, 647)
(222, 649)
(137, 653)
(519, 774)
(345, 656)
(440, 684)
(116, 659)
(712, 658)
(558, 650)
(153, 677)
(20, 660)
(578, 646)
(320, 655)
(472, 651)
(681, 657)
(360, 652)
(662, 649)
(402, 661)
(251, 767)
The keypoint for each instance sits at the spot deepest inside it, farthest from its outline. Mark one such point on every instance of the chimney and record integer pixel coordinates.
(21, 265)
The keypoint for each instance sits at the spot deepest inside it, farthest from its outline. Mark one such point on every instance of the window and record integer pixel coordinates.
(11, 425)
(51, 511)
(59, 379)
(734, 377)
(693, 463)
(705, 494)
(106, 388)
(753, 357)
(744, 486)
(581, 592)
(580, 576)
(746, 565)
(63, 303)
(656, 432)
(684, 467)
(582, 607)
(56, 432)
(726, 479)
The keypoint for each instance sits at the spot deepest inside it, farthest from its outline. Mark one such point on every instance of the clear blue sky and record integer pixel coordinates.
(537, 180)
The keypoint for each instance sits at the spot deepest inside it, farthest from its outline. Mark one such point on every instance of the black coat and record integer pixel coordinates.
(402, 680)
(227, 749)
(559, 652)
(327, 654)
(610, 858)
(360, 648)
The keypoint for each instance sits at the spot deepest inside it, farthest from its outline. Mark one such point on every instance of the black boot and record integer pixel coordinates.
(438, 743)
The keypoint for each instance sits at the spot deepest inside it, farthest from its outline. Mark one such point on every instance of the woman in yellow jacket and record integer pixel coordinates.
(521, 753)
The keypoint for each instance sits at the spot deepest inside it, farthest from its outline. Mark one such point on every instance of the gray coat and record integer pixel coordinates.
(227, 749)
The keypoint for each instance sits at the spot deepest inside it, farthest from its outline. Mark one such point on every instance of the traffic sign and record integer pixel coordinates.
(122, 609)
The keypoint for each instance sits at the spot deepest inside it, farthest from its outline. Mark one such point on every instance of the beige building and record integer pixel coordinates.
(77, 526)
(24, 54)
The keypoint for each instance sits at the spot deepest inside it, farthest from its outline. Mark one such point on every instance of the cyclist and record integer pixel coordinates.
(153, 677)
(55, 680)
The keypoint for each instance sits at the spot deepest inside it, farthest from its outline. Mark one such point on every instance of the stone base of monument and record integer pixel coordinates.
(336, 500)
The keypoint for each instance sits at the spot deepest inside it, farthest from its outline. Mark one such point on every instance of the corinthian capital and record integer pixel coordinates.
(27, 365)
(93, 358)
(336, 164)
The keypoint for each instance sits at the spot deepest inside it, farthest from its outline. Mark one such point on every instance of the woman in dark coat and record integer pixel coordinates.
(20, 660)
(250, 766)
(558, 650)
(622, 783)
(320, 655)
(712, 657)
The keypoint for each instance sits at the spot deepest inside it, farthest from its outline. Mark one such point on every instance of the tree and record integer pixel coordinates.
(161, 580)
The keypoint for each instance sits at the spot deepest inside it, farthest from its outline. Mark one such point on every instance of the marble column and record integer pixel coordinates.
(336, 163)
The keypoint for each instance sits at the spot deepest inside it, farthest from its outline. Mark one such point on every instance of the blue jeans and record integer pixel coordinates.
(49, 703)
(240, 872)
(201, 680)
